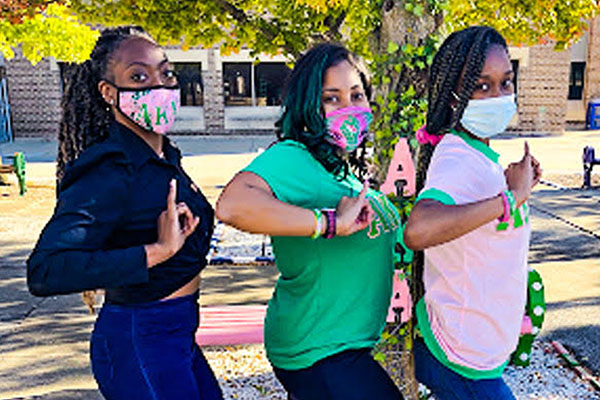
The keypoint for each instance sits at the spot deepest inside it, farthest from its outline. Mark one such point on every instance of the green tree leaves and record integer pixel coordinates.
(526, 22)
(53, 32)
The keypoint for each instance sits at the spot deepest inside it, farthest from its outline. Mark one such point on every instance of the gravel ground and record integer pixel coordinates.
(547, 378)
(235, 243)
(245, 374)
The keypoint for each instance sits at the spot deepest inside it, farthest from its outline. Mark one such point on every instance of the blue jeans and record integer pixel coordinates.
(446, 384)
(349, 375)
(147, 351)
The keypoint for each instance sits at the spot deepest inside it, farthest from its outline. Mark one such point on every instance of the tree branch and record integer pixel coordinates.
(334, 29)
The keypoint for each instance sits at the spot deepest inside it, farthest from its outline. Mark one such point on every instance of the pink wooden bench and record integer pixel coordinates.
(224, 325)
(228, 325)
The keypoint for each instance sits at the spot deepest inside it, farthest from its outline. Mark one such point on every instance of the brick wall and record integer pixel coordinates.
(214, 102)
(592, 69)
(543, 86)
(34, 93)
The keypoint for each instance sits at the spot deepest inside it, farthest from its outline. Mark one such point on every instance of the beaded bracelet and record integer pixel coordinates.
(318, 224)
(330, 218)
(511, 201)
(508, 199)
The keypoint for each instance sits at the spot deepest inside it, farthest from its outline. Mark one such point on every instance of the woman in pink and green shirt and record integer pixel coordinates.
(472, 221)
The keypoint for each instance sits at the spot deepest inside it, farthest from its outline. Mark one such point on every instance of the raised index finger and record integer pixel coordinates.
(171, 206)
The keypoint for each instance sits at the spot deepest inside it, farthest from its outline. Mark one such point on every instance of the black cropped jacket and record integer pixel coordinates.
(108, 204)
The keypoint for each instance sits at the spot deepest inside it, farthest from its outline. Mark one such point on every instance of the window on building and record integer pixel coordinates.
(576, 80)
(270, 78)
(189, 77)
(237, 84)
(266, 78)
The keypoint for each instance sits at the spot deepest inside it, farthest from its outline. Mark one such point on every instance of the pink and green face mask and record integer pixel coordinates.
(153, 109)
(348, 126)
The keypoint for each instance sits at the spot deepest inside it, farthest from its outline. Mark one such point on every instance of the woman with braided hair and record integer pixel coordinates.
(129, 219)
(471, 220)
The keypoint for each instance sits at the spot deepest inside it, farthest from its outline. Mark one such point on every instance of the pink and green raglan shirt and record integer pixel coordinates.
(475, 285)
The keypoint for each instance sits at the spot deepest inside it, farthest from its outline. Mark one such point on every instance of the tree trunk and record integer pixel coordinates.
(403, 47)
(397, 72)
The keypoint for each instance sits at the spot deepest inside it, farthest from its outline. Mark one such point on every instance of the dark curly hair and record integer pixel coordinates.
(86, 116)
(303, 118)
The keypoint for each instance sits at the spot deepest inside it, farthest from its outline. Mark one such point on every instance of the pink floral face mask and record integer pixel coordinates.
(348, 126)
(153, 109)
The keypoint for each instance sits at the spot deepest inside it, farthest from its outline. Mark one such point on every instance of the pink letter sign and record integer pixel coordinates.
(401, 167)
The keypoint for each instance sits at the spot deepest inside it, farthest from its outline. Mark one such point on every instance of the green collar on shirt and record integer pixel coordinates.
(477, 145)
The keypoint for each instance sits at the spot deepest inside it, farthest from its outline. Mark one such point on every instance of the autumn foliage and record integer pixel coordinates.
(15, 11)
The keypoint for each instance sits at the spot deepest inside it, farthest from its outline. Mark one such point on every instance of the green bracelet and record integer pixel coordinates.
(318, 225)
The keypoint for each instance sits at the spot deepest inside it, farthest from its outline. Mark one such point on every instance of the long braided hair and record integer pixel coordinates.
(303, 119)
(86, 116)
(460, 59)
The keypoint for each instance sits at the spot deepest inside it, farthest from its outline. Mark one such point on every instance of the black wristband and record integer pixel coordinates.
(330, 218)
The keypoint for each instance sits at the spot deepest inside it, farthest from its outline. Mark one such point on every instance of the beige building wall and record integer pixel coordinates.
(543, 83)
(591, 88)
(214, 101)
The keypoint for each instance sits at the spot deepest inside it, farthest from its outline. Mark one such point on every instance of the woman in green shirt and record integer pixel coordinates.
(332, 237)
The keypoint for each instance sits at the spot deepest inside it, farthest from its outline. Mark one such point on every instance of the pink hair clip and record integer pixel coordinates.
(424, 137)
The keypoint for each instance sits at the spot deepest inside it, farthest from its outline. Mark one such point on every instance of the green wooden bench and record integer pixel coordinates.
(18, 168)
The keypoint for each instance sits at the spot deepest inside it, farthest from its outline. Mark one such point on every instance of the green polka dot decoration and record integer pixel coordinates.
(535, 309)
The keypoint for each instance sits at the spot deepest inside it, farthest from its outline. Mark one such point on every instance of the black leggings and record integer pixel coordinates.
(349, 375)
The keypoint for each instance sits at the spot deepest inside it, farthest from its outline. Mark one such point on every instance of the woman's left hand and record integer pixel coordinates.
(175, 224)
(353, 214)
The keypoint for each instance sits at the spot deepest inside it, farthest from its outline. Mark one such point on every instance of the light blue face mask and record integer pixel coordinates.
(485, 118)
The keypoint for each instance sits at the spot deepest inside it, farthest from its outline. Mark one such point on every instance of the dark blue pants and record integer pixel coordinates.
(349, 375)
(147, 351)
(446, 384)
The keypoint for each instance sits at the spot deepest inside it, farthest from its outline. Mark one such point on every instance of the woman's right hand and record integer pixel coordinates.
(520, 177)
(175, 224)
(353, 213)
